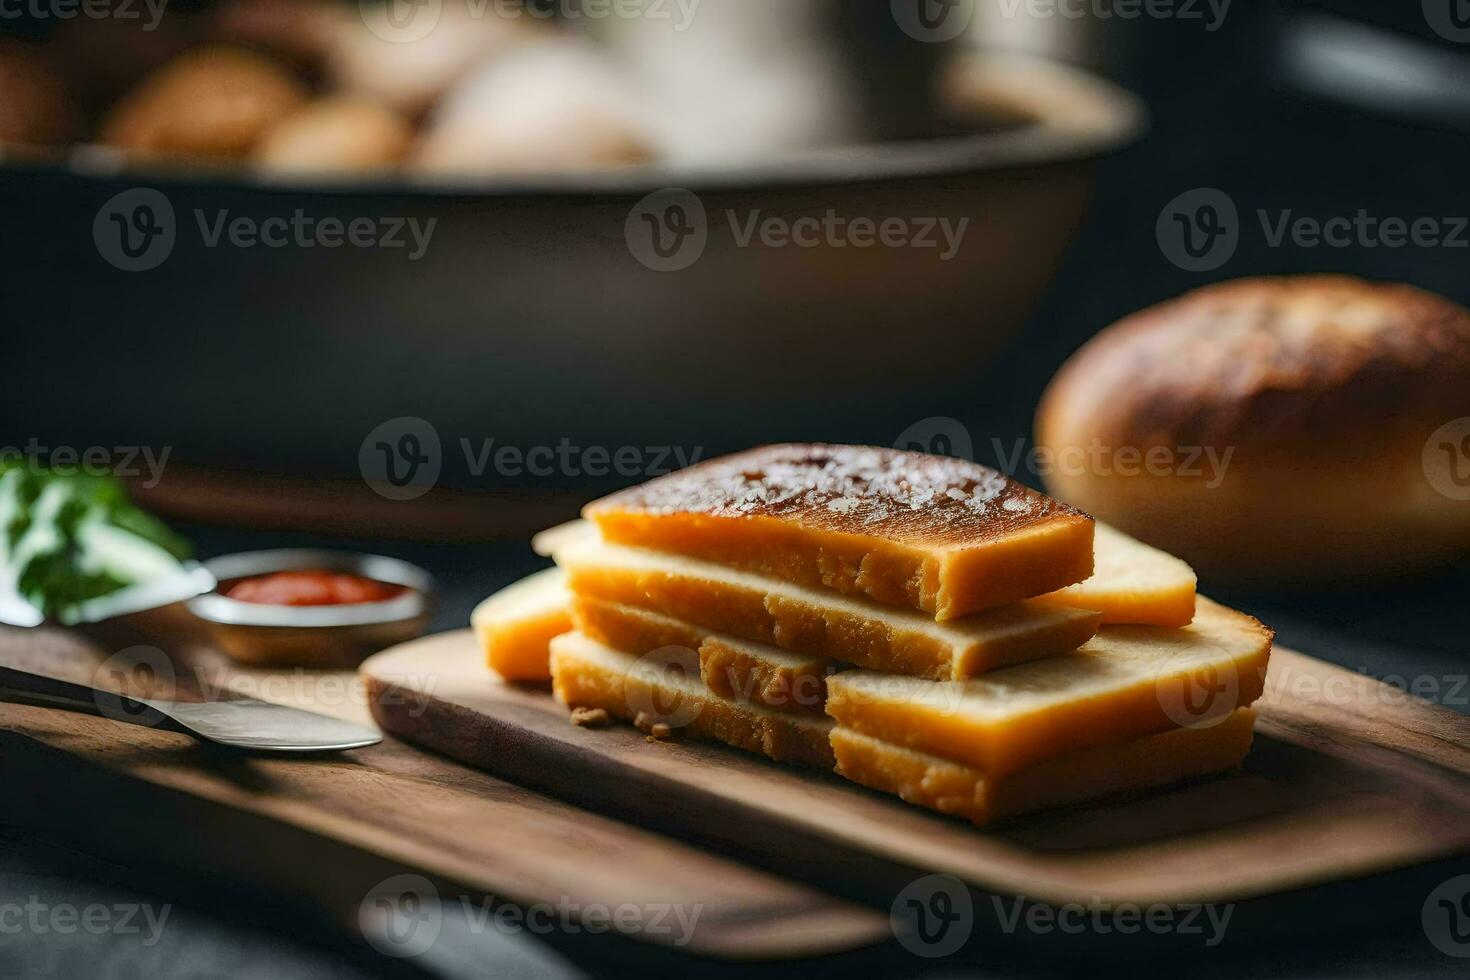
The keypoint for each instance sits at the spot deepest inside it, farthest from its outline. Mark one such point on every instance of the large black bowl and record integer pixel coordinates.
(537, 314)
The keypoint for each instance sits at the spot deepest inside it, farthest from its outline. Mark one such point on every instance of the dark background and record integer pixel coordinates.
(1227, 114)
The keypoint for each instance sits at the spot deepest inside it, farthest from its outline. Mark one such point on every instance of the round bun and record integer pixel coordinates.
(367, 56)
(212, 103)
(336, 134)
(555, 107)
(1278, 430)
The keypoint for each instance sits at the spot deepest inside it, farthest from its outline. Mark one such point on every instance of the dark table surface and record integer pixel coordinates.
(1225, 118)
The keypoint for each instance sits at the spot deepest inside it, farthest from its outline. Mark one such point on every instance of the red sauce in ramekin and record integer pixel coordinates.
(311, 587)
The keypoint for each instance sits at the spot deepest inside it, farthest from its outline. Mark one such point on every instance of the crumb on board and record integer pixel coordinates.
(656, 731)
(590, 717)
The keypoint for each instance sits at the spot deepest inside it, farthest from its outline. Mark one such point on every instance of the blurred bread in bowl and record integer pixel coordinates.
(34, 108)
(102, 57)
(553, 107)
(212, 103)
(410, 64)
(336, 135)
(299, 32)
(1297, 430)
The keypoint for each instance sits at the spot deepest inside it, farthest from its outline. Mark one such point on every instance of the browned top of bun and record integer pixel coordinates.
(885, 493)
(1301, 364)
(212, 101)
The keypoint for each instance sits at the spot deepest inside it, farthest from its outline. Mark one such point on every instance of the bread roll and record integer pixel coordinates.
(410, 65)
(212, 103)
(552, 107)
(336, 135)
(1282, 430)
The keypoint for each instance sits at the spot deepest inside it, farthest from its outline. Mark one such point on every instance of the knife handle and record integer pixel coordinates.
(24, 687)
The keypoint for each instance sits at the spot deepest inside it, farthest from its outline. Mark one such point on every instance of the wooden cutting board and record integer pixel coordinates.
(1348, 776)
(328, 830)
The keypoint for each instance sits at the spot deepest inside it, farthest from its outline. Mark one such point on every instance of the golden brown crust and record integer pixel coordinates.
(808, 622)
(338, 133)
(935, 501)
(1305, 364)
(950, 787)
(1307, 405)
(1128, 682)
(213, 103)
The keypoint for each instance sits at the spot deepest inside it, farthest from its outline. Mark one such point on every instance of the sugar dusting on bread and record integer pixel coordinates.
(840, 486)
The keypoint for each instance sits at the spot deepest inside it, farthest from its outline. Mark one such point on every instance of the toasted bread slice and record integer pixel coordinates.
(953, 788)
(1127, 682)
(516, 624)
(548, 542)
(1133, 583)
(741, 670)
(942, 535)
(820, 623)
(653, 693)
